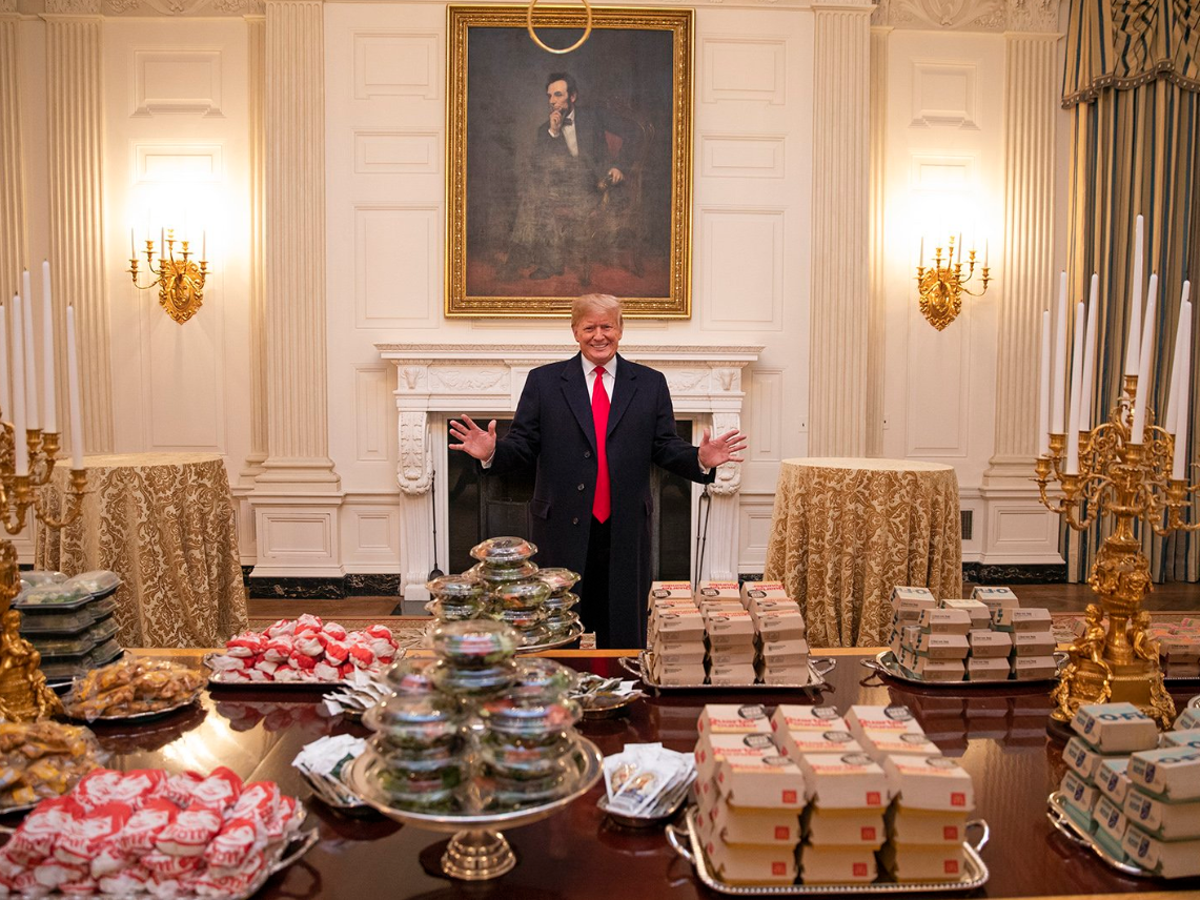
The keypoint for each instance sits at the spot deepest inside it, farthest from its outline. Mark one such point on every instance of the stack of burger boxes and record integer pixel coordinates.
(907, 605)
(1162, 806)
(750, 798)
(995, 599)
(675, 634)
(987, 657)
(779, 625)
(927, 818)
(1032, 639)
(730, 632)
(843, 825)
(942, 645)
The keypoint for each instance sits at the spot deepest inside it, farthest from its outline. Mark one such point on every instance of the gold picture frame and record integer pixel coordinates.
(534, 219)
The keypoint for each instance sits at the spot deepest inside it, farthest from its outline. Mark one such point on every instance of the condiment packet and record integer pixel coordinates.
(326, 756)
(640, 777)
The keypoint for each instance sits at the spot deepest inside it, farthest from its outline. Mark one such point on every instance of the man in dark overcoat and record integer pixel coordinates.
(591, 502)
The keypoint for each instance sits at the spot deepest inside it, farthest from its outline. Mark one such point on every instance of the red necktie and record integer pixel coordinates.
(602, 504)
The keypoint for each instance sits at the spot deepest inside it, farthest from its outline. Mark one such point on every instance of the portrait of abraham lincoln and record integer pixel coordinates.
(570, 173)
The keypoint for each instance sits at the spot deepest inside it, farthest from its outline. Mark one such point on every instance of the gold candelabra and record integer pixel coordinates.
(1129, 482)
(941, 287)
(180, 281)
(23, 692)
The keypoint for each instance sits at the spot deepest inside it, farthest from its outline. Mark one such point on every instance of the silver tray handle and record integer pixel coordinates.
(632, 665)
(823, 665)
(985, 832)
(678, 837)
(304, 841)
(871, 663)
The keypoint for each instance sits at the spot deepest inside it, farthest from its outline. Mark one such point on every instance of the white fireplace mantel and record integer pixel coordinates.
(438, 381)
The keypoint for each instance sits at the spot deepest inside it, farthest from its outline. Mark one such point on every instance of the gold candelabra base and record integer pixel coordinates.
(24, 695)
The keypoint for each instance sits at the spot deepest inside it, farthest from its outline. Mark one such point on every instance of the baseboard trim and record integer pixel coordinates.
(1015, 573)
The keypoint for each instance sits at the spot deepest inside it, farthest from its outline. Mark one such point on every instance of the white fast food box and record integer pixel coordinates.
(784, 676)
(1115, 728)
(723, 590)
(987, 669)
(930, 782)
(797, 743)
(1109, 819)
(730, 718)
(780, 626)
(786, 653)
(896, 719)
(660, 590)
(677, 625)
(1172, 772)
(1188, 719)
(995, 598)
(732, 656)
(720, 607)
(945, 621)
(1015, 618)
(1082, 758)
(845, 781)
(667, 672)
(1188, 739)
(712, 748)
(1034, 668)
(689, 653)
(843, 827)
(931, 669)
(921, 826)
(836, 865)
(920, 863)
(764, 782)
(1159, 818)
(990, 644)
(1032, 643)
(792, 717)
(1079, 793)
(758, 607)
(665, 604)
(1170, 859)
(1112, 779)
(943, 646)
(751, 865)
(979, 614)
(729, 628)
(908, 602)
(881, 744)
(732, 674)
(764, 590)
(756, 826)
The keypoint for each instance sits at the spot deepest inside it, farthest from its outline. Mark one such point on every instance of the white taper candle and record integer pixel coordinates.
(21, 449)
(1058, 394)
(1183, 417)
(73, 393)
(1145, 359)
(1072, 465)
(1135, 307)
(1044, 389)
(5, 400)
(50, 419)
(31, 384)
(1089, 356)
(1177, 364)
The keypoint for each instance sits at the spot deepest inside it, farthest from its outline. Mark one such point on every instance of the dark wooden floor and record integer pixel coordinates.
(1173, 597)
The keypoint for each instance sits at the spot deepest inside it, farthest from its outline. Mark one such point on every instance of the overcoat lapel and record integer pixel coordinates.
(576, 394)
(622, 393)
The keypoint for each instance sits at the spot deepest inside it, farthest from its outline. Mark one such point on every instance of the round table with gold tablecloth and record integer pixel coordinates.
(844, 532)
(164, 522)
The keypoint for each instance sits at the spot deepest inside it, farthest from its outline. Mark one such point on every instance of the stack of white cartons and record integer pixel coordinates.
(907, 605)
(1163, 807)
(749, 819)
(995, 599)
(988, 650)
(887, 730)
(926, 822)
(811, 729)
(843, 825)
(782, 647)
(720, 594)
(1033, 641)
(730, 633)
(941, 645)
(675, 635)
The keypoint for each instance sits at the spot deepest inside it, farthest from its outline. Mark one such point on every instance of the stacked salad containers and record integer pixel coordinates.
(474, 729)
(561, 617)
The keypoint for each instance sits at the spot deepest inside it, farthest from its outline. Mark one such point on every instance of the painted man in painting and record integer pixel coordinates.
(580, 162)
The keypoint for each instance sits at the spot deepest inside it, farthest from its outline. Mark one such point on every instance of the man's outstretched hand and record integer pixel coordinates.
(723, 449)
(475, 441)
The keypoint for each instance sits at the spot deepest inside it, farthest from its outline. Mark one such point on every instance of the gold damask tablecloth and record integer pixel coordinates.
(844, 532)
(164, 522)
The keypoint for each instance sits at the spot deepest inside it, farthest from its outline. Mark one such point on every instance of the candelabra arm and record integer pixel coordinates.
(74, 502)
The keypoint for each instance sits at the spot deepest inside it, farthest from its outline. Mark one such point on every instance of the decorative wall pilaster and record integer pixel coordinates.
(13, 250)
(1018, 526)
(841, 289)
(297, 421)
(256, 40)
(75, 92)
(876, 344)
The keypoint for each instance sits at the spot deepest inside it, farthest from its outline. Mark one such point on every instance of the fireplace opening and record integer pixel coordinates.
(479, 508)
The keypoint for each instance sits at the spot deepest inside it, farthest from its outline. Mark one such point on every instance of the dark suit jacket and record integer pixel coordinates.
(553, 431)
(590, 128)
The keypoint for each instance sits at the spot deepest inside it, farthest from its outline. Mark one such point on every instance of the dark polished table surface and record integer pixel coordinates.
(999, 735)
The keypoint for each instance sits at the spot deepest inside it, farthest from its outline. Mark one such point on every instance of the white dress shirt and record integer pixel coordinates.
(568, 132)
(609, 376)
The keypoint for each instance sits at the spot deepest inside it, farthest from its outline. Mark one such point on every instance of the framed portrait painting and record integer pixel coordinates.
(568, 173)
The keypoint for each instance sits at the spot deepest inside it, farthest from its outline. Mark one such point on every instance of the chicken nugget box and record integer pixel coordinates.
(784, 676)
(683, 654)
(843, 827)
(893, 719)
(1112, 779)
(837, 865)
(780, 626)
(731, 673)
(1015, 618)
(791, 717)
(1187, 739)
(1082, 758)
(732, 718)
(718, 590)
(661, 590)
(771, 827)
(1116, 728)
(984, 669)
(945, 621)
(990, 644)
(1171, 821)
(995, 599)
(670, 673)
(943, 646)
(1034, 668)
(712, 748)
(763, 590)
(879, 745)
(751, 865)
(928, 668)
(979, 614)
(1031, 643)
(922, 826)
(923, 863)
(1170, 859)
(792, 652)
(845, 781)
(930, 783)
(797, 743)
(1172, 772)
(763, 782)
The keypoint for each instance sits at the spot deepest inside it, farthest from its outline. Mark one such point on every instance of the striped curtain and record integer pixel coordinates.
(1132, 78)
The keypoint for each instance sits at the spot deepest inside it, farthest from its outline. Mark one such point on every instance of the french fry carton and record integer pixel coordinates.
(984, 669)
(1171, 772)
(923, 826)
(797, 743)
(995, 599)
(1032, 643)
(772, 827)
(930, 783)
(980, 616)
(780, 626)
(751, 866)
(837, 865)
(712, 748)
(1189, 740)
(793, 652)
(929, 669)
(1116, 728)
(764, 782)
(1170, 859)
(718, 590)
(732, 674)
(923, 863)
(895, 719)
(843, 827)
(1034, 668)
(660, 590)
(1015, 618)
(845, 781)
(1171, 821)
(990, 644)
(880, 744)
(945, 621)
(1112, 779)
(729, 718)
(943, 646)
(791, 717)
(763, 590)
(1082, 758)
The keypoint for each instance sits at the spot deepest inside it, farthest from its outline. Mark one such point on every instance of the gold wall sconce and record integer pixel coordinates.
(179, 279)
(942, 285)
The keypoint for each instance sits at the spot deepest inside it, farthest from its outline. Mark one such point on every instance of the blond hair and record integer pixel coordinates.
(589, 303)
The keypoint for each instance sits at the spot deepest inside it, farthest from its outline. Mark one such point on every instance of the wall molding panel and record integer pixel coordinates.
(945, 94)
(168, 82)
(743, 249)
(396, 64)
(390, 238)
(742, 156)
(397, 151)
(743, 68)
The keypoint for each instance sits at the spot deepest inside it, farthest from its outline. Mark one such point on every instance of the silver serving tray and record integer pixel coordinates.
(1194, 703)
(885, 663)
(279, 856)
(664, 811)
(137, 718)
(686, 842)
(818, 668)
(281, 686)
(1056, 812)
